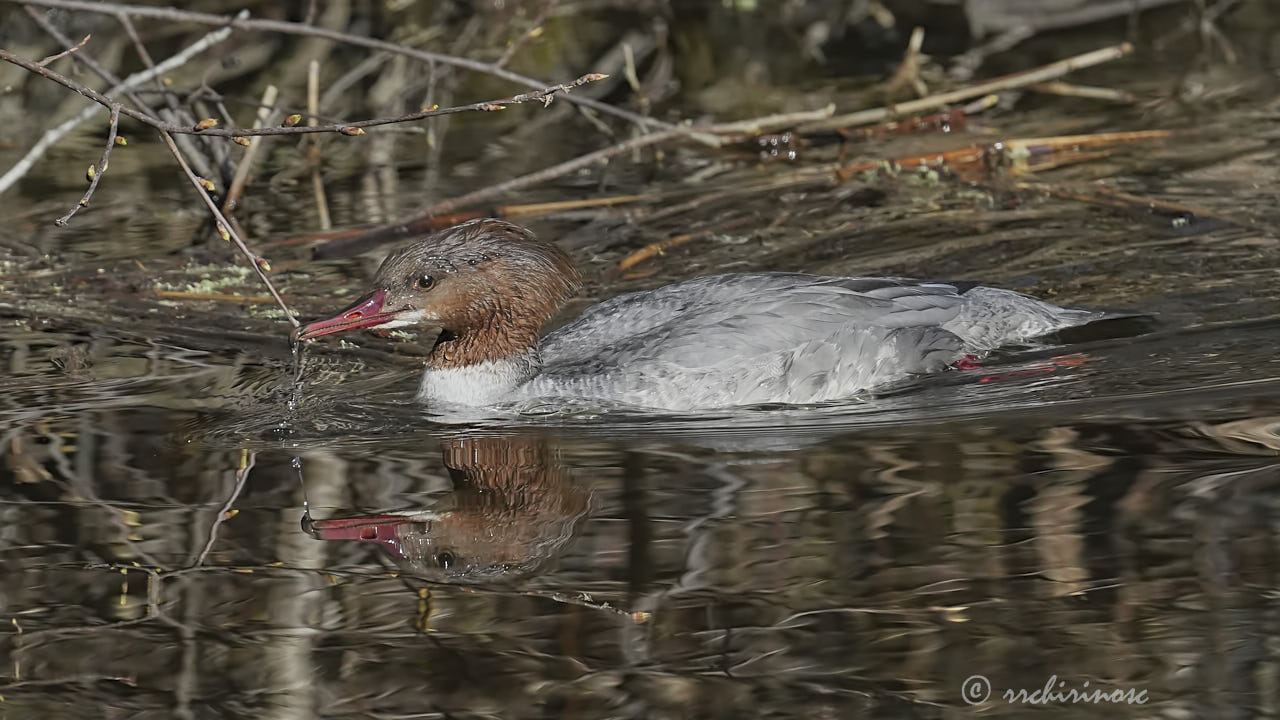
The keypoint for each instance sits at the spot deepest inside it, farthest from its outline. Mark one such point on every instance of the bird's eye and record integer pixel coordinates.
(445, 559)
(426, 282)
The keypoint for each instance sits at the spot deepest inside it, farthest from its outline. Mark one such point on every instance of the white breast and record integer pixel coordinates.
(488, 383)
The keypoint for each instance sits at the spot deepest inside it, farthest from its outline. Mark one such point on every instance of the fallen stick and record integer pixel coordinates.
(963, 162)
(1015, 152)
(1107, 197)
(217, 297)
(1052, 71)
(1084, 91)
(674, 241)
(946, 121)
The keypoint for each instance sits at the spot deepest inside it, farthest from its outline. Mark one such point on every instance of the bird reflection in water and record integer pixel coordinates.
(513, 507)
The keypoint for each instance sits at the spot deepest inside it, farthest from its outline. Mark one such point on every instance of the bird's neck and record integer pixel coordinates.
(478, 368)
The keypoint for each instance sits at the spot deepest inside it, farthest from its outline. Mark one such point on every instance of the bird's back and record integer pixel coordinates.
(744, 339)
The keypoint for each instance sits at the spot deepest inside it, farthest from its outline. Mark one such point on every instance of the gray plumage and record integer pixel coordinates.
(746, 339)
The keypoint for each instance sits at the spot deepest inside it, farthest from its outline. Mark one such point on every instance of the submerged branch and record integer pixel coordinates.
(247, 460)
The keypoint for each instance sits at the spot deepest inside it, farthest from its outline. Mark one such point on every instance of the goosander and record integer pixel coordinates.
(711, 342)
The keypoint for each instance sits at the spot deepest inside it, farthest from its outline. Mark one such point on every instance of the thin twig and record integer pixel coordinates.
(583, 599)
(242, 474)
(441, 85)
(52, 31)
(1108, 197)
(292, 28)
(255, 260)
(1052, 71)
(543, 95)
(100, 171)
(138, 47)
(58, 56)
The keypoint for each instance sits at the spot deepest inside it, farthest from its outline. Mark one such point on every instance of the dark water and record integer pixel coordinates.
(1111, 519)
(1091, 513)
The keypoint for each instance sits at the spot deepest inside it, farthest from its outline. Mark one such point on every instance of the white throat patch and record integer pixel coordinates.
(486, 383)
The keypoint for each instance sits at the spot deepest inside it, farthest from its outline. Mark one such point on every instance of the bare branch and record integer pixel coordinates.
(58, 56)
(543, 95)
(292, 28)
(101, 169)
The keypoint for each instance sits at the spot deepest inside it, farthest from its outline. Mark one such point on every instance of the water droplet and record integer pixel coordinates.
(282, 432)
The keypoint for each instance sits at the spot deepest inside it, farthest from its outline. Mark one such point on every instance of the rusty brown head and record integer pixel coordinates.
(487, 284)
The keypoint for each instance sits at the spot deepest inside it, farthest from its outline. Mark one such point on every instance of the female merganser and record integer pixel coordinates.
(709, 342)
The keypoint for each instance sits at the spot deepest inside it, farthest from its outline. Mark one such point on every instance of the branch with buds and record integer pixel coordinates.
(96, 171)
(209, 126)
